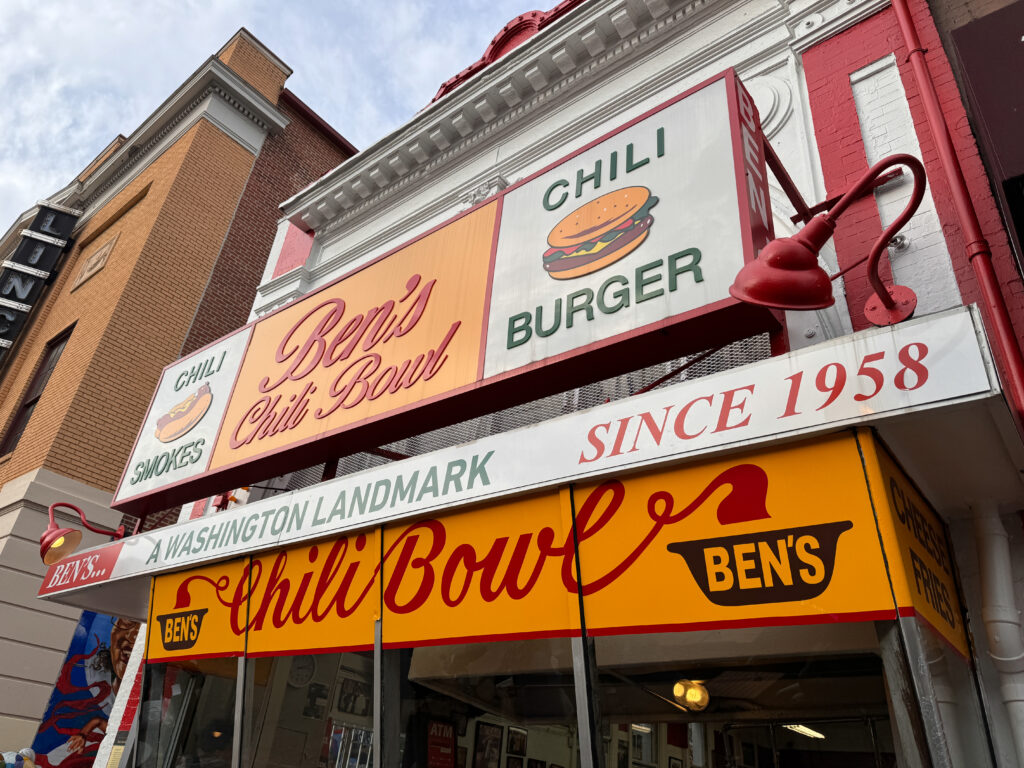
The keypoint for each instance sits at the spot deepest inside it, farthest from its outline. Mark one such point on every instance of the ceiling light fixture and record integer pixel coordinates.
(691, 694)
(803, 730)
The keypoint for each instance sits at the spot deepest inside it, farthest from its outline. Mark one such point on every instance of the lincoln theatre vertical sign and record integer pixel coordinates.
(27, 271)
(619, 254)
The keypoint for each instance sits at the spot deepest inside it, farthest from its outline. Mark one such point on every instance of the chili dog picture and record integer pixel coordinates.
(182, 417)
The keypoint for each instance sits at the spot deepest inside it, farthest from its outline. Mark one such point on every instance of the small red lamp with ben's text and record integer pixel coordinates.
(786, 274)
(57, 543)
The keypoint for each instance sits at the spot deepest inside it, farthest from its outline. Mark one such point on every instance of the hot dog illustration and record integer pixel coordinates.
(185, 415)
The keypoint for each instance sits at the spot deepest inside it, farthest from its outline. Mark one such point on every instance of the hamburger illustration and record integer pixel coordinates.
(599, 233)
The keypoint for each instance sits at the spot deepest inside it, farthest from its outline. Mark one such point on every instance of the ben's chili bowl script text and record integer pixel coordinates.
(331, 337)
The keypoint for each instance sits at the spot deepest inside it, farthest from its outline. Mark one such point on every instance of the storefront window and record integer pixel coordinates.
(312, 711)
(764, 698)
(187, 714)
(485, 705)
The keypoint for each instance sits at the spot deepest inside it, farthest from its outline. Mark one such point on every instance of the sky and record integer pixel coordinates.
(76, 74)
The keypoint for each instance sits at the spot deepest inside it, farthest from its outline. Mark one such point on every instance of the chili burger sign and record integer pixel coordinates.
(559, 280)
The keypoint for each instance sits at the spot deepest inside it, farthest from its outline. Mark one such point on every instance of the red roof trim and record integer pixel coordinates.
(513, 34)
(306, 111)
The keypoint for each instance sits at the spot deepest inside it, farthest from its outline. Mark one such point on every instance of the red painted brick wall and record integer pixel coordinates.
(827, 67)
(286, 164)
(294, 251)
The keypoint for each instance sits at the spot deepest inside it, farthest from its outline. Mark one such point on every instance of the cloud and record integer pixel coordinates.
(77, 74)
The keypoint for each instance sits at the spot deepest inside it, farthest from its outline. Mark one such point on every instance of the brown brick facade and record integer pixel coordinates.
(287, 163)
(253, 67)
(131, 317)
(193, 232)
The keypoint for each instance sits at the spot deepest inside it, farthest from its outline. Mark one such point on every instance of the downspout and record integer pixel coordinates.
(1001, 615)
(979, 254)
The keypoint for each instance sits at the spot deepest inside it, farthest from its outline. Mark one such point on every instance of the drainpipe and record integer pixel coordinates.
(979, 254)
(945, 696)
(1001, 616)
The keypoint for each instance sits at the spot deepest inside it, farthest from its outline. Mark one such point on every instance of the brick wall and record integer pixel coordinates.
(131, 317)
(838, 133)
(951, 14)
(253, 67)
(286, 164)
(154, 311)
(90, 307)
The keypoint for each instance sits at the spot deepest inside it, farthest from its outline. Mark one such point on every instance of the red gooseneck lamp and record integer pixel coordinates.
(57, 543)
(786, 274)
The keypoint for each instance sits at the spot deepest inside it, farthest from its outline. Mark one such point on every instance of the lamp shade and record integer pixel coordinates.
(786, 275)
(691, 694)
(57, 543)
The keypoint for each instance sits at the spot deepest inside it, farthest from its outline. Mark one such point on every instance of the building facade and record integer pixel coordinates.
(555, 496)
(170, 231)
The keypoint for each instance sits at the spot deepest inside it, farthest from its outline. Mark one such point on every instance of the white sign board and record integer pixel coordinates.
(860, 378)
(184, 417)
(642, 226)
(618, 255)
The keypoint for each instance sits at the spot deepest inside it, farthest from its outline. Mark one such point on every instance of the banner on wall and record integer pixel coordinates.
(772, 538)
(865, 377)
(639, 231)
(76, 716)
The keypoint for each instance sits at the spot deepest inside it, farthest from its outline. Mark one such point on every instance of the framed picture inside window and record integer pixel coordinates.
(516, 741)
(487, 745)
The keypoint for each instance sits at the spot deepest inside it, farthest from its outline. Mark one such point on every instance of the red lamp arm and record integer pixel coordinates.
(916, 196)
(119, 533)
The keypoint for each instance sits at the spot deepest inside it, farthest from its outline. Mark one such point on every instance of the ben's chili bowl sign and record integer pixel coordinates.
(857, 379)
(740, 526)
(642, 229)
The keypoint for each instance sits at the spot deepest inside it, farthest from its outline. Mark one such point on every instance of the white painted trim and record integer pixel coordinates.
(178, 113)
(22, 268)
(57, 207)
(26, 308)
(32, 234)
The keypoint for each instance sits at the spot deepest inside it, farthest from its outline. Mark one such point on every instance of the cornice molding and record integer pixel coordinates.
(811, 21)
(213, 79)
(597, 40)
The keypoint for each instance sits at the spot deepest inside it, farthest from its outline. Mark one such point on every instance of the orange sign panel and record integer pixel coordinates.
(199, 613)
(764, 539)
(481, 574)
(316, 598)
(778, 537)
(919, 554)
(404, 332)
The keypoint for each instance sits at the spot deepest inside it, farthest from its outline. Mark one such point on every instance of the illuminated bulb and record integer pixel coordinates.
(691, 694)
(803, 730)
(59, 543)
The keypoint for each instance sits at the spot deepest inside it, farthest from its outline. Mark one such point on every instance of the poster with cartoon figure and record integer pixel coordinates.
(76, 716)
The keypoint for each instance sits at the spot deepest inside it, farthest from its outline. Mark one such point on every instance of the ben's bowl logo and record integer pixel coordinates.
(599, 233)
(777, 566)
(180, 631)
